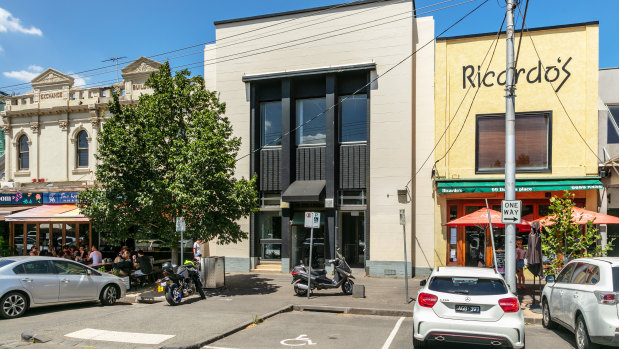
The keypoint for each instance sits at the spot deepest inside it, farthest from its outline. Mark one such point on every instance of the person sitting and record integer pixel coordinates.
(81, 254)
(95, 256)
(143, 265)
(124, 265)
(34, 251)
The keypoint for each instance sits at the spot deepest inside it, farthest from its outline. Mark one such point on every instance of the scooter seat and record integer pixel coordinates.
(319, 272)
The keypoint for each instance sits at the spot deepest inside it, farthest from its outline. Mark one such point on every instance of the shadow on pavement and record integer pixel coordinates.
(245, 284)
(65, 307)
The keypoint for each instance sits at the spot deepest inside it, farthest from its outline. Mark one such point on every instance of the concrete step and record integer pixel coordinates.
(269, 266)
(266, 271)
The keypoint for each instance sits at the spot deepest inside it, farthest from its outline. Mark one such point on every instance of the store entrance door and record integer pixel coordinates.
(352, 228)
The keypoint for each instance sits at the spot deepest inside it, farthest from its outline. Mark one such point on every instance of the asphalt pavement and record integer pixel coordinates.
(232, 311)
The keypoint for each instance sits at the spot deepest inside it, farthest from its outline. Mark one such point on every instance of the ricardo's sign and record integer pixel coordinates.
(559, 72)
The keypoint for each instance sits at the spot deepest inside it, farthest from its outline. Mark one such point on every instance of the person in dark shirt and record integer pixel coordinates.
(142, 264)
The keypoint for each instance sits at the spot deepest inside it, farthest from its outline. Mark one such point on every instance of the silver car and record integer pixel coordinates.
(462, 305)
(28, 282)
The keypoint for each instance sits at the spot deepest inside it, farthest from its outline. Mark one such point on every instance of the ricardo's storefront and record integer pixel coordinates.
(551, 155)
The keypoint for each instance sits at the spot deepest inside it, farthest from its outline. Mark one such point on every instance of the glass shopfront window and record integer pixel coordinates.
(353, 118)
(270, 235)
(270, 123)
(311, 121)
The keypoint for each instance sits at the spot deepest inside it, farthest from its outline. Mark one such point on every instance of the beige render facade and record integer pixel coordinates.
(273, 61)
(51, 117)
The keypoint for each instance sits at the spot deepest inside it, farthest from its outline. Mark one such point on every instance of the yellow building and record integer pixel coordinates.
(551, 131)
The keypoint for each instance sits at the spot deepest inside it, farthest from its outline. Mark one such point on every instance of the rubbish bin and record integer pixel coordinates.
(213, 272)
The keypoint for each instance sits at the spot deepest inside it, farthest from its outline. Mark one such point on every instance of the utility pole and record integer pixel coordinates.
(510, 149)
(115, 60)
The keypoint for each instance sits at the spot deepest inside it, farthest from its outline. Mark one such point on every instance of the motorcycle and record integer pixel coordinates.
(183, 282)
(319, 280)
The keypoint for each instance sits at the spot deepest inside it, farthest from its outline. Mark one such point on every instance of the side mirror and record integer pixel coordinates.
(88, 272)
(550, 279)
(422, 283)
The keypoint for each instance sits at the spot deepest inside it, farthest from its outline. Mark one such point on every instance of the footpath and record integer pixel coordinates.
(254, 293)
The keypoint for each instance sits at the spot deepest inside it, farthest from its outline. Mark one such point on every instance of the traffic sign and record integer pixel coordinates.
(511, 211)
(312, 219)
(180, 224)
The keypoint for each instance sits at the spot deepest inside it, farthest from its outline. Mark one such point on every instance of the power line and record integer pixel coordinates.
(495, 43)
(251, 53)
(366, 85)
(557, 95)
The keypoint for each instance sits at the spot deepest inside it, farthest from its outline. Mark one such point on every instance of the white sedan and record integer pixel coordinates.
(462, 305)
(28, 282)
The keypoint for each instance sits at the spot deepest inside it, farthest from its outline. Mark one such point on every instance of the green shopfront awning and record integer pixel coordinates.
(463, 186)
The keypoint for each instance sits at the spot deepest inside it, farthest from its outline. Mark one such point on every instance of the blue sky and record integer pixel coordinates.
(73, 36)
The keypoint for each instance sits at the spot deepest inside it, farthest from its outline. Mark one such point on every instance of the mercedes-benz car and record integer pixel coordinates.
(28, 282)
(467, 305)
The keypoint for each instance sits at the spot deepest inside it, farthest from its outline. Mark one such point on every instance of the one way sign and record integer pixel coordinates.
(511, 211)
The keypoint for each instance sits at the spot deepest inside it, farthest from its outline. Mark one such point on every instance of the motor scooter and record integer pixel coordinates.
(319, 280)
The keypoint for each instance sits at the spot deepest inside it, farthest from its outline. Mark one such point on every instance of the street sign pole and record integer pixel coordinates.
(180, 227)
(312, 220)
(403, 223)
(309, 267)
(510, 148)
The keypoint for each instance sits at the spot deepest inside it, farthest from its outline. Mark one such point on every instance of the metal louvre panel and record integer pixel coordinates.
(269, 169)
(353, 165)
(311, 163)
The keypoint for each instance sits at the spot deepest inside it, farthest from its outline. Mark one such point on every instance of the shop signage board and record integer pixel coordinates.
(21, 199)
(455, 187)
(511, 211)
(63, 197)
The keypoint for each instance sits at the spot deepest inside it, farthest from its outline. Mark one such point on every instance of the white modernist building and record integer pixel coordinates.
(333, 126)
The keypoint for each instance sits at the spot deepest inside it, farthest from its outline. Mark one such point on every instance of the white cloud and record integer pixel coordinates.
(22, 75)
(8, 23)
(79, 81)
(1, 49)
(35, 68)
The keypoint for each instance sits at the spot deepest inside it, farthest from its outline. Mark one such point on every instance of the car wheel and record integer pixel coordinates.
(109, 295)
(546, 320)
(12, 305)
(582, 335)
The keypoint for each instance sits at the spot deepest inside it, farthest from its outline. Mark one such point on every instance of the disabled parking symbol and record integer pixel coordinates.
(297, 342)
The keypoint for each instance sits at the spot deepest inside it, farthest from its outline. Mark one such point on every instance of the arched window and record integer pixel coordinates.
(82, 149)
(24, 153)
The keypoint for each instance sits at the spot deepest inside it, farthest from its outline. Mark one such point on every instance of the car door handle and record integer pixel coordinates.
(66, 281)
(27, 280)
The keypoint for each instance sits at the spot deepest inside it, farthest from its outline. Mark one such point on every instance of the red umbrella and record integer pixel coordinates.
(582, 216)
(479, 218)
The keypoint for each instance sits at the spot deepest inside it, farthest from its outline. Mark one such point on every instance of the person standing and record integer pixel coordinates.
(520, 255)
(196, 249)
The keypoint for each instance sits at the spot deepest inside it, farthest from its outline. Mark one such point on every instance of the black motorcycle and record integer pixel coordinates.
(319, 280)
(183, 282)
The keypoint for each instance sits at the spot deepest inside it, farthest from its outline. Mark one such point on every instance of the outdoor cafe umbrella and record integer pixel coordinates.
(479, 219)
(581, 216)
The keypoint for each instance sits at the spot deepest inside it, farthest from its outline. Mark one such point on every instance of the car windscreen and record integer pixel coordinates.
(4, 262)
(468, 285)
(615, 279)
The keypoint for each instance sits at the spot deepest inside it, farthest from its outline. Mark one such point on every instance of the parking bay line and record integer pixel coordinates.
(393, 333)
(117, 336)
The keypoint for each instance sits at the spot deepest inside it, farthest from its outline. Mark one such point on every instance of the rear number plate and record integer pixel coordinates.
(463, 308)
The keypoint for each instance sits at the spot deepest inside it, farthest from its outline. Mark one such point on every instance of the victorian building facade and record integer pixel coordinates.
(50, 137)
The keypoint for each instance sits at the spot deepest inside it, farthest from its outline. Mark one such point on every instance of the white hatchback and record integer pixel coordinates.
(463, 305)
(584, 299)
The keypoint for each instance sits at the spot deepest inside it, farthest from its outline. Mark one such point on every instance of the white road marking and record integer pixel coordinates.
(393, 333)
(117, 336)
(209, 347)
(299, 341)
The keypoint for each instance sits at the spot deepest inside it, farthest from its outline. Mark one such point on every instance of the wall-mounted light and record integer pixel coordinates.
(403, 196)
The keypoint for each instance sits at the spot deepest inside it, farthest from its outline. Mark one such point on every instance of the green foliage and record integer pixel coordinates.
(5, 250)
(172, 155)
(564, 240)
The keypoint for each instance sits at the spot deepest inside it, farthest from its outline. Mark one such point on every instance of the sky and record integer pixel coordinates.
(74, 36)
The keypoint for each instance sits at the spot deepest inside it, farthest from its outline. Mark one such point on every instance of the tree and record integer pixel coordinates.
(565, 240)
(172, 155)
